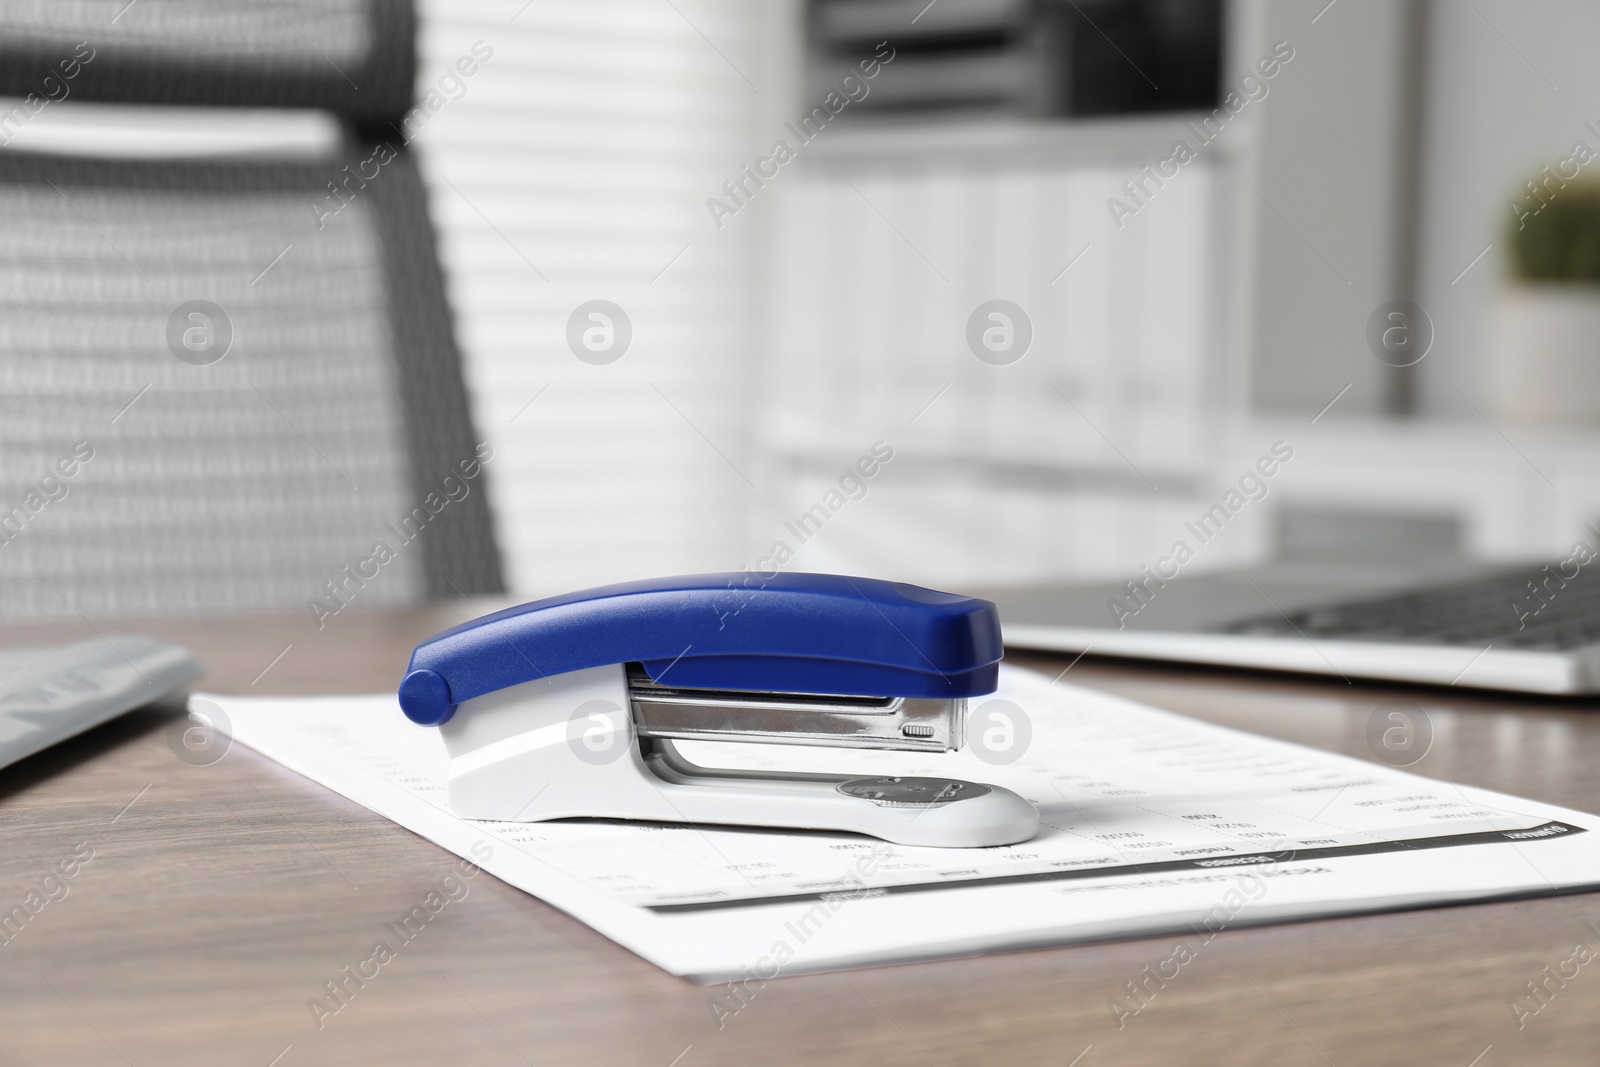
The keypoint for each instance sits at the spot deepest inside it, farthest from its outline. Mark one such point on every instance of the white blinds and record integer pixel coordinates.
(573, 166)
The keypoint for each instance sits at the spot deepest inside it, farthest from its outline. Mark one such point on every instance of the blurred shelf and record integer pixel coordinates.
(1134, 139)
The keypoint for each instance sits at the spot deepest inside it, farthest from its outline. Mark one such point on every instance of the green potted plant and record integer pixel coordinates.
(1544, 345)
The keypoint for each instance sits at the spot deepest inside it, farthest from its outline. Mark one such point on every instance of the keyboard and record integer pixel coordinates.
(50, 694)
(1500, 610)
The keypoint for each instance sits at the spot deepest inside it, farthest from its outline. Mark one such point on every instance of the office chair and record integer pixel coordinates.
(227, 383)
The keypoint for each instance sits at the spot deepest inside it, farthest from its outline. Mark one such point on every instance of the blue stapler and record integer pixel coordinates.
(570, 706)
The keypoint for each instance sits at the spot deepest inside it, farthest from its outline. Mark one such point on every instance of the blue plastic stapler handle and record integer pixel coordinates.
(796, 633)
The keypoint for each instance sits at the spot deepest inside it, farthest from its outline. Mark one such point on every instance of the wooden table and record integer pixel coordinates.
(220, 899)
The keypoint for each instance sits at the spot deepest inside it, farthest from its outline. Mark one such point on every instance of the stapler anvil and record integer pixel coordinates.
(571, 706)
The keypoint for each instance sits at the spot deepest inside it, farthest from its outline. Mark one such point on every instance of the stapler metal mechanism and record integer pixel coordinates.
(572, 706)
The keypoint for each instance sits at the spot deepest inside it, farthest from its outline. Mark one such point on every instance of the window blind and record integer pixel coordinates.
(573, 165)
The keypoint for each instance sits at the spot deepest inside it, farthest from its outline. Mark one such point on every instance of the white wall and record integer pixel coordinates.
(1509, 86)
(1327, 175)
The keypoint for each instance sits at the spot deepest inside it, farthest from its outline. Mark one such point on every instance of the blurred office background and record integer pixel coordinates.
(823, 311)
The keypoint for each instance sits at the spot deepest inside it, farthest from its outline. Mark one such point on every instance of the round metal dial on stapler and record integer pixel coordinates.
(912, 792)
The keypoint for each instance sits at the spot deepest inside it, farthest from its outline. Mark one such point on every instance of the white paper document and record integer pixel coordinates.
(1154, 823)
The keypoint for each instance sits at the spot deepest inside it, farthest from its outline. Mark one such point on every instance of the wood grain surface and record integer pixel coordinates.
(217, 900)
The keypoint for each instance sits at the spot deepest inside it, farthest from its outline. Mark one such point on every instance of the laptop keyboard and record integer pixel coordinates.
(1501, 610)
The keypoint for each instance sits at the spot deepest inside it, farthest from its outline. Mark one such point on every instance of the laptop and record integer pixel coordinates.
(1531, 628)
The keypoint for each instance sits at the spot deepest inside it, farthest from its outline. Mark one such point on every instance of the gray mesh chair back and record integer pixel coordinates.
(229, 384)
(353, 57)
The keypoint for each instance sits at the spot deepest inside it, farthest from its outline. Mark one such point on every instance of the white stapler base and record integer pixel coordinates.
(565, 747)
